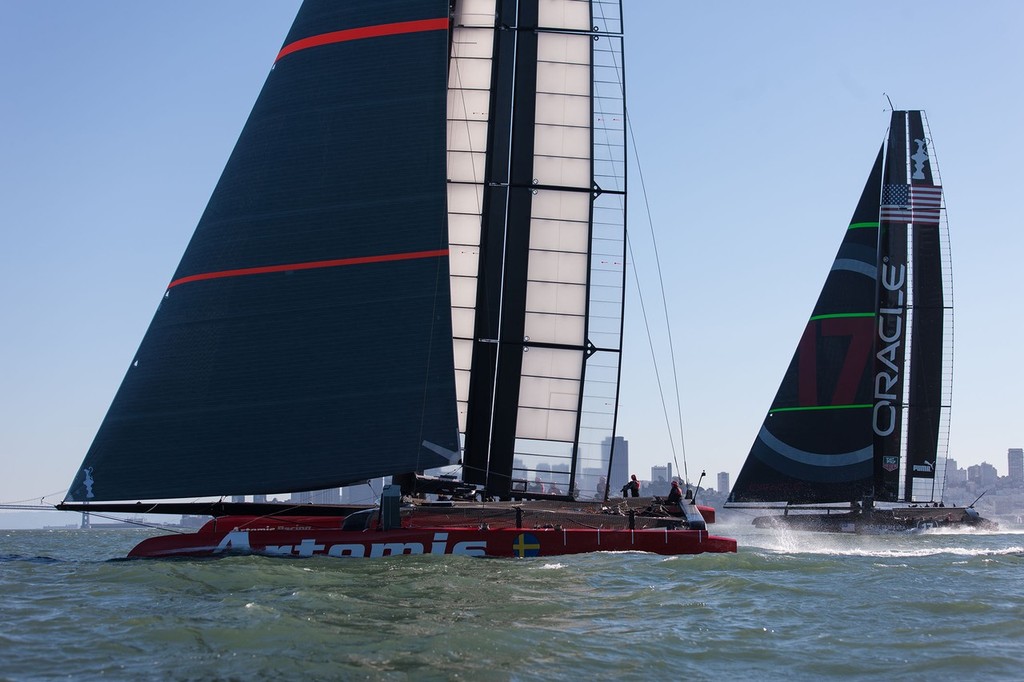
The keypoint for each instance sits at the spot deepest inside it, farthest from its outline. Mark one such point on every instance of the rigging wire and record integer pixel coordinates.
(668, 322)
(38, 497)
(675, 374)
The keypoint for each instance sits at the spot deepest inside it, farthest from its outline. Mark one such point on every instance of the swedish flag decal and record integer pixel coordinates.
(526, 544)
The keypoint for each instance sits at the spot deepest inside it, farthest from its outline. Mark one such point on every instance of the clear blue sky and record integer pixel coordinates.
(755, 124)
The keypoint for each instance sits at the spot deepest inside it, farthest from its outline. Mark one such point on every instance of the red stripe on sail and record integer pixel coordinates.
(312, 265)
(397, 28)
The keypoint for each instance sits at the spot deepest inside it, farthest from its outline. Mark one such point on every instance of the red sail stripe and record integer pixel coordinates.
(364, 32)
(241, 272)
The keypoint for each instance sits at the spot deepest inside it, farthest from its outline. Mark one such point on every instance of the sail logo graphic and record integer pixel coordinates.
(920, 157)
(890, 334)
(890, 463)
(526, 544)
(87, 482)
(238, 541)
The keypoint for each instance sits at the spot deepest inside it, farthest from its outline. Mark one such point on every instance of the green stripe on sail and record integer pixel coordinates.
(857, 226)
(832, 316)
(820, 407)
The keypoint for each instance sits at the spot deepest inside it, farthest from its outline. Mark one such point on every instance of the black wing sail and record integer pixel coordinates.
(305, 340)
(547, 331)
(926, 392)
(815, 444)
(912, 310)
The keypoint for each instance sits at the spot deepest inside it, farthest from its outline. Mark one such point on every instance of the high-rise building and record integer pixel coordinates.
(723, 482)
(620, 462)
(329, 496)
(659, 473)
(954, 474)
(1015, 464)
(983, 474)
(363, 493)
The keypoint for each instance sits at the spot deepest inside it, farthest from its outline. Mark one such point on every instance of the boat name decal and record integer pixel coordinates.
(888, 377)
(238, 541)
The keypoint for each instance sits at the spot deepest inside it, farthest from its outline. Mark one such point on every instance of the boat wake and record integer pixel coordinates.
(932, 543)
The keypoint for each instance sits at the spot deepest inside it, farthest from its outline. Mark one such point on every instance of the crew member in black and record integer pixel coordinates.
(675, 495)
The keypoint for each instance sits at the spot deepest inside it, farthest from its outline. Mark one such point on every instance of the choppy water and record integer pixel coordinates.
(799, 607)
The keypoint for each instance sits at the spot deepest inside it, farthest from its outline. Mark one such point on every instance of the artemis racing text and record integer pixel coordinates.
(238, 541)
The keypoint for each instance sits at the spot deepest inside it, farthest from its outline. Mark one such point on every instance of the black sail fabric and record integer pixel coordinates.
(815, 444)
(925, 385)
(305, 340)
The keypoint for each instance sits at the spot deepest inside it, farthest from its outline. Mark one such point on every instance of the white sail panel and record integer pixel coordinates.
(550, 205)
(462, 318)
(569, 141)
(463, 229)
(546, 424)
(562, 171)
(463, 294)
(551, 297)
(470, 105)
(552, 328)
(553, 362)
(464, 261)
(469, 74)
(475, 13)
(466, 166)
(544, 392)
(562, 135)
(559, 235)
(570, 110)
(463, 352)
(470, 42)
(556, 266)
(565, 79)
(465, 198)
(469, 101)
(565, 48)
(570, 14)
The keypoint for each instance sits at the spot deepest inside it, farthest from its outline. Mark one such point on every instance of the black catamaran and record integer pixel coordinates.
(862, 414)
(414, 258)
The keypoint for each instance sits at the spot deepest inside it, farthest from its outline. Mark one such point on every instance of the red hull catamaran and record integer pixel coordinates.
(414, 262)
(335, 537)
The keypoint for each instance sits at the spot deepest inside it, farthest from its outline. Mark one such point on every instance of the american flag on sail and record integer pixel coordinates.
(917, 204)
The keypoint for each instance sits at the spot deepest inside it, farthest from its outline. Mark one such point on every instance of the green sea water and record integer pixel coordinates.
(786, 607)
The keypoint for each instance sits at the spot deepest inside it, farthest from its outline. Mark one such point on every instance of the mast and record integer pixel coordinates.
(892, 313)
(547, 335)
(927, 390)
(913, 357)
